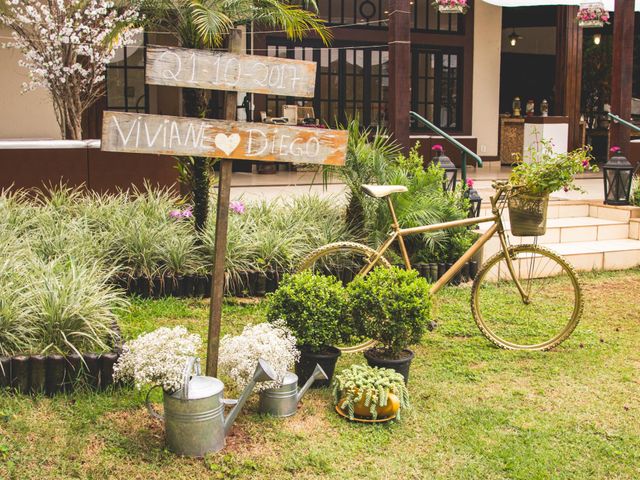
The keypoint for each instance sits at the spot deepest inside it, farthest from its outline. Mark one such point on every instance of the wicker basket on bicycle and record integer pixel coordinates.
(527, 213)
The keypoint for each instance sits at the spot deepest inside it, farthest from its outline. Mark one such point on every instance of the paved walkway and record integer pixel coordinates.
(254, 187)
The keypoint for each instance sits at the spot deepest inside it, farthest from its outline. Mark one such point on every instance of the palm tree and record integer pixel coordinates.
(204, 24)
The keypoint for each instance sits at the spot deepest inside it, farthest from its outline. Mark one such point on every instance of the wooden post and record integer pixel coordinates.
(622, 73)
(569, 72)
(222, 221)
(399, 101)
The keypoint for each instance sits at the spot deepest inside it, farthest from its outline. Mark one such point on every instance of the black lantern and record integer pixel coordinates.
(450, 171)
(617, 174)
(475, 200)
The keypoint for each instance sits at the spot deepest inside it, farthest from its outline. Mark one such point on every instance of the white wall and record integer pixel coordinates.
(22, 116)
(487, 43)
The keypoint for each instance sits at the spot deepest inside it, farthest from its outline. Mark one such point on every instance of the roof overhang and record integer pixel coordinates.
(609, 4)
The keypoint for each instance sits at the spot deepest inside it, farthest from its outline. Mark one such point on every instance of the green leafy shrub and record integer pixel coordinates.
(392, 306)
(314, 307)
(372, 384)
(635, 191)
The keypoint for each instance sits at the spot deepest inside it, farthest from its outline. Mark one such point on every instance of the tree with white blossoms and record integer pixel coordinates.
(67, 45)
(272, 342)
(158, 358)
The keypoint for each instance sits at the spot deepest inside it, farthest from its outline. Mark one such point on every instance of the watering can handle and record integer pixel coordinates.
(186, 375)
(152, 411)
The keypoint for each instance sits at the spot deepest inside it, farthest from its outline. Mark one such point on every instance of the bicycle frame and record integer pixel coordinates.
(399, 234)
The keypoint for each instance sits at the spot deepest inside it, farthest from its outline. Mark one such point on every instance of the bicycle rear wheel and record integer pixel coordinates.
(345, 261)
(545, 317)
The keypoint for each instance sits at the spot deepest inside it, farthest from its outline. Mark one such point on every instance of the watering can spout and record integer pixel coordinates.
(318, 374)
(264, 372)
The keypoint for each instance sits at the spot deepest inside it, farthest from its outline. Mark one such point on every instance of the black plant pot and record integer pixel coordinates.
(188, 285)
(176, 286)
(38, 373)
(260, 286)
(55, 374)
(442, 267)
(157, 286)
(199, 286)
(473, 269)
(207, 286)
(72, 371)
(465, 272)
(375, 358)
(20, 373)
(107, 361)
(271, 281)
(143, 287)
(433, 272)
(326, 358)
(5, 372)
(91, 361)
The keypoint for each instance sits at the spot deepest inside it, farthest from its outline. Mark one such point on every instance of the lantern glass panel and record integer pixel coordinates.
(617, 185)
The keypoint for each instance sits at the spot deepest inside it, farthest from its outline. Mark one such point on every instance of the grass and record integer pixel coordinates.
(478, 412)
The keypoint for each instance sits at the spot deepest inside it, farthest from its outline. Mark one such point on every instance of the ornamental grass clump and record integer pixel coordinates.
(158, 358)
(371, 387)
(274, 343)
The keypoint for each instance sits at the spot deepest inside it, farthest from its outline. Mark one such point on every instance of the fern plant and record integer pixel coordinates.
(371, 384)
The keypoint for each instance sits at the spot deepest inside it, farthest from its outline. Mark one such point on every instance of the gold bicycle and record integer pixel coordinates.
(526, 297)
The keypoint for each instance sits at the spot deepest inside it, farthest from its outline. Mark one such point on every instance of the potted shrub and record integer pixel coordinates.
(391, 306)
(593, 15)
(363, 392)
(314, 308)
(533, 180)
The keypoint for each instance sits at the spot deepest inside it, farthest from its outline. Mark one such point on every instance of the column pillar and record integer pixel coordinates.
(622, 72)
(568, 81)
(399, 101)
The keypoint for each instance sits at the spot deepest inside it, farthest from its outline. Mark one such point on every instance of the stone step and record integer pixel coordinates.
(557, 209)
(564, 230)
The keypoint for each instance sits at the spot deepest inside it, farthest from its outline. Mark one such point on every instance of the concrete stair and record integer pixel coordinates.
(590, 235)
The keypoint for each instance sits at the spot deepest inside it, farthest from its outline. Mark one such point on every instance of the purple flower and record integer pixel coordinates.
(237, 207)
(175, 214)
(565, 188)
(188, 212)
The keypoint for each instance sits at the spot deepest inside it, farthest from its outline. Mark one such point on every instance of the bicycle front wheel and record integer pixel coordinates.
(542, 315)
(345, 261)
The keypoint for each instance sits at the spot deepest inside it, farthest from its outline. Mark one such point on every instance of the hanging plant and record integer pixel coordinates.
(592, 15)
(451, 6)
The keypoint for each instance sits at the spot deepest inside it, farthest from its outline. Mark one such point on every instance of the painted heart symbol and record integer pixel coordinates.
(227, 143)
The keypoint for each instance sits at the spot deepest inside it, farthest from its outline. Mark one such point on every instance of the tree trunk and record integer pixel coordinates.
(195, 105)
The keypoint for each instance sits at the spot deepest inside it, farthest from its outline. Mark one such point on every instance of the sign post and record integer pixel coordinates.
(225, 139)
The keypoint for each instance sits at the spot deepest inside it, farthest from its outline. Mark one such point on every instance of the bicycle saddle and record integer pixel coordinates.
(380, 191)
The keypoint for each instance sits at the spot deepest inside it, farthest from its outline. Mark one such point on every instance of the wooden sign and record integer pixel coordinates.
(183, 67)
(167, 135)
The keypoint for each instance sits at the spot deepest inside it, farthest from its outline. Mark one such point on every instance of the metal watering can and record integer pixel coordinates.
(283, 401)
(194, 419)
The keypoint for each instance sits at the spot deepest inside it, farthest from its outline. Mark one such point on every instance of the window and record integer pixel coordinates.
(126, 88)
(374, 13)
(355, 81)
(349, 82)
(436, 87)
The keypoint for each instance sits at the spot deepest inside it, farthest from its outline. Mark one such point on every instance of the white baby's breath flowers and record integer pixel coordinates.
(272, 342)
(158, 358)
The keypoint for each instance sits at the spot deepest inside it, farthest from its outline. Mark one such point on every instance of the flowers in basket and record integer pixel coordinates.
(451, 6)
(592, 15)
(158, 358)
(272, 342)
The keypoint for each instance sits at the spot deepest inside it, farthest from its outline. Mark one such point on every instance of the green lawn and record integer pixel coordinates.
(478, 412)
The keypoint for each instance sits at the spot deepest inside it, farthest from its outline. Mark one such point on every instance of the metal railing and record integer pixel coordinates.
(465, 151)
(624, 122)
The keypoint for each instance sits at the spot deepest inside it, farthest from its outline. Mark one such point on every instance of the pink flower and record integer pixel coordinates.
(585, 163)
(175, 214)
(566, 189)
(469, 183)
(237, 207)
(615, 149)
(437, 148)
(188, 212)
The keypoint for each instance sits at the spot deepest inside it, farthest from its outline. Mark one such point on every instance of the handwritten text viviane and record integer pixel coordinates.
(224, 139)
